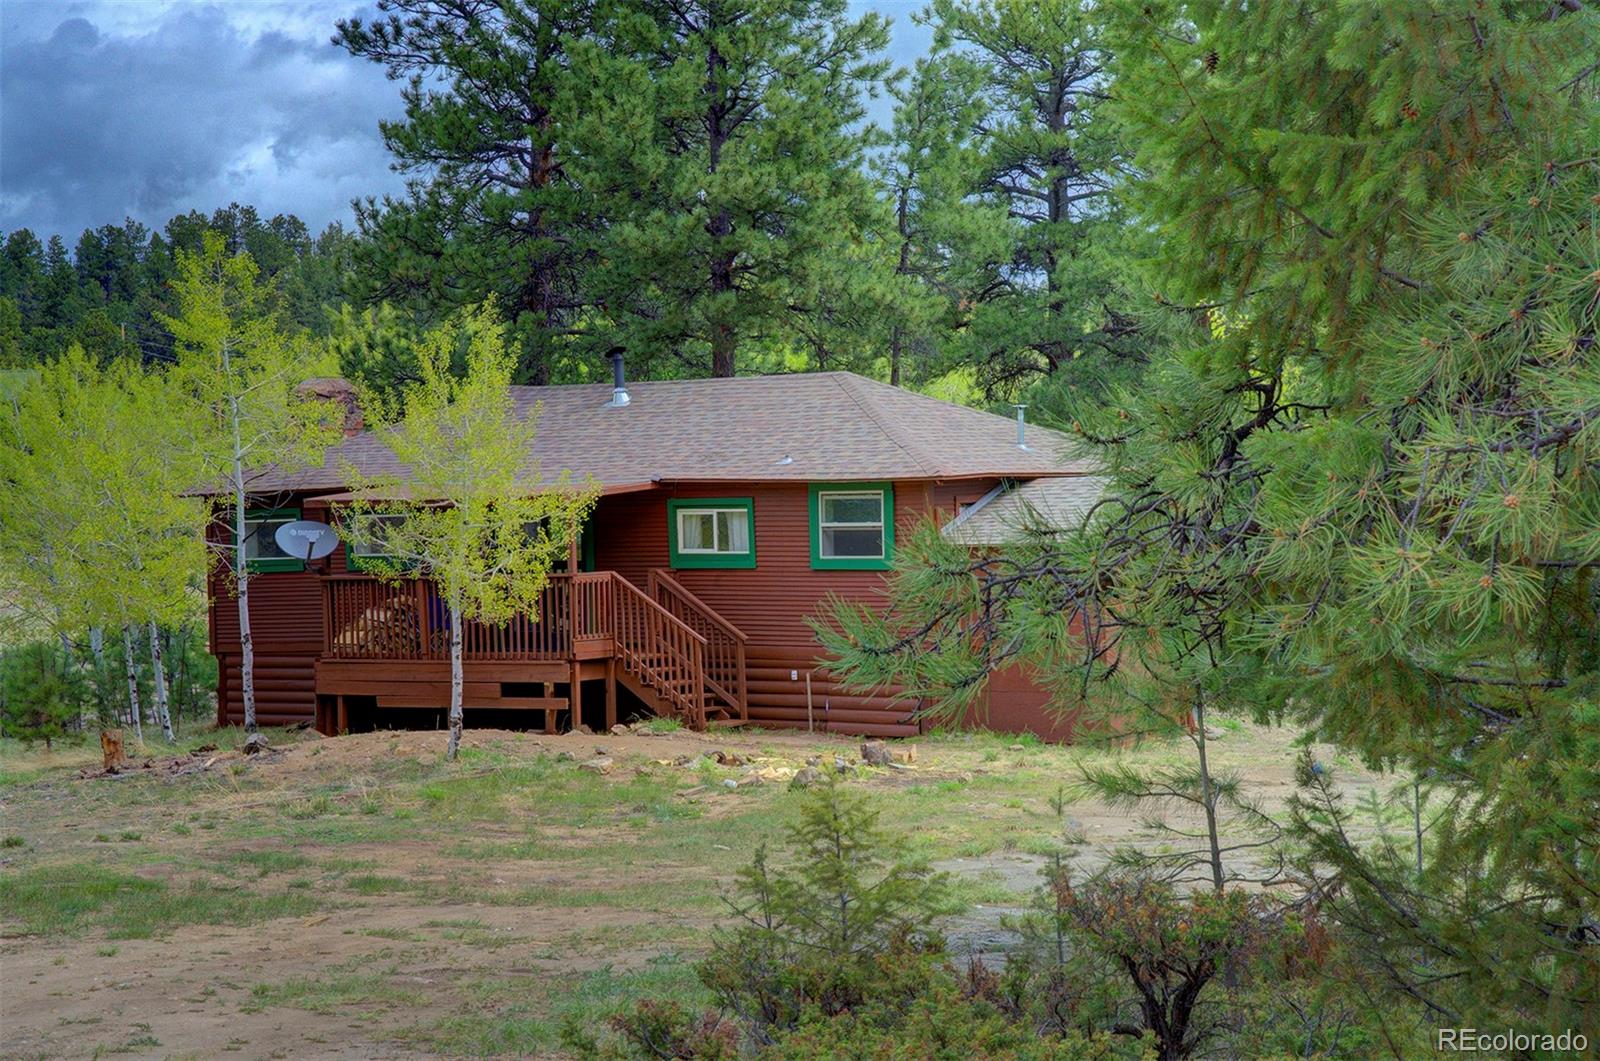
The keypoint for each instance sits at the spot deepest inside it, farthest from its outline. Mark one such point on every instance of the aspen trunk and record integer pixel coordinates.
(134, 710)
(97, 647)
(241, 570)
(163, 707)
(455, 684)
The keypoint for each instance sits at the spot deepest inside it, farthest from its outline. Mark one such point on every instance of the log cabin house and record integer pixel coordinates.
(729, 510)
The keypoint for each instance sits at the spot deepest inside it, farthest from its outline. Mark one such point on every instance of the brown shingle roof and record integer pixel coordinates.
(806, 427)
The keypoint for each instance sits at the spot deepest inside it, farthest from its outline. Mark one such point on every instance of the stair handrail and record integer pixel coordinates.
(695, 693)
(662, 578)
(732, 639)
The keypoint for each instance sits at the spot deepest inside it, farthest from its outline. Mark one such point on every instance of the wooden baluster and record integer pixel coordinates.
(696, 663)
(743, 692)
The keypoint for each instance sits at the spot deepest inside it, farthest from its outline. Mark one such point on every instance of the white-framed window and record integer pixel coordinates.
(711, 532)
(852, 526)
(261, 549)
(714, 531)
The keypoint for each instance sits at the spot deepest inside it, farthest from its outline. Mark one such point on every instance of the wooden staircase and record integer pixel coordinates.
(726, 686)
(673, 652)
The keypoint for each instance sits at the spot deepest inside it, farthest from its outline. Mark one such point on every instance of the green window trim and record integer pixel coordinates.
(270, 564)
(706, 560)
(819, 562)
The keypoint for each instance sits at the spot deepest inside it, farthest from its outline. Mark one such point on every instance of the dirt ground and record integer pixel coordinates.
(357, 898)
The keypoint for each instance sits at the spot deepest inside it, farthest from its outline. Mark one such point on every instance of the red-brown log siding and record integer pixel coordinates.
(770, 603)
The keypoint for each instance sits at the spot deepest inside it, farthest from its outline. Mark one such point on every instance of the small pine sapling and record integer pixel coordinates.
(816, 934)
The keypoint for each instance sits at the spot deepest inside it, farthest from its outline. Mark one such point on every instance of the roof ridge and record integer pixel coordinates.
(846, 381)
(640, 381)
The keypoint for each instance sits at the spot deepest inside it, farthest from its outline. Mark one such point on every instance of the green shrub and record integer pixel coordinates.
(1131, 944)
(950, 1020)
(811, 935)
(666, 1029)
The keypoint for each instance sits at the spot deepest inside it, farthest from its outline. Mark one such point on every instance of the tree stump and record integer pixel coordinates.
(111, 750)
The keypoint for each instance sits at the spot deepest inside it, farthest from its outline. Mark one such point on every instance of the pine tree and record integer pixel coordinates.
(37, 701)
(471, 516)
(723, 147)
(927, 176)
(821, 930)
(377, 351)
(1366, 501)
(491, 208)
(1037, 259)
(1404, 256)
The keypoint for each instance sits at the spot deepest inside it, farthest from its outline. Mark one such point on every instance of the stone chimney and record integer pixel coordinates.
(340, 390)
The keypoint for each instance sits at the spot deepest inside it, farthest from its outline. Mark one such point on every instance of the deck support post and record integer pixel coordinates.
(343, 725)
(575, 697)
(611, 692)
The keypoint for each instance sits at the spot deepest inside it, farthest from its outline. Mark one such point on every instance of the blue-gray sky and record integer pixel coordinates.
(149, 108)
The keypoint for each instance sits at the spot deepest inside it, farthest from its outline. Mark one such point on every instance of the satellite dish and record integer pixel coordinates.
(306, 539)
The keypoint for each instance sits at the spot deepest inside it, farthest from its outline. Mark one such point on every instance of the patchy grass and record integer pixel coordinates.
(378, 884)
(270, 861)
(545, 790)
(479, 936)
(64, 899)
(517, 1017)
(657, 726)
(327, 994)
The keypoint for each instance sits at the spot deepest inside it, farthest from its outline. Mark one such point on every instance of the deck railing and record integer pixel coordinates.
(579, 616)
(725, 643)
(370, 618)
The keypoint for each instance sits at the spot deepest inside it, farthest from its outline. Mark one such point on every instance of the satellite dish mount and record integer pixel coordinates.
(306, 539)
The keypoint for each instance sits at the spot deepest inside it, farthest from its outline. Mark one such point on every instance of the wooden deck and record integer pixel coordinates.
(389, 641)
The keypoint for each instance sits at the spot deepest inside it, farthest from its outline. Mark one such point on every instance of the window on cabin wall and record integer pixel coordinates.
(261, 540)
(852, 526)
(540, 528)
(711, 532)
(364, 550)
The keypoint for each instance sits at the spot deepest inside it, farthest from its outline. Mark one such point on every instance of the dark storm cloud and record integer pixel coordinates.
(151, 109)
